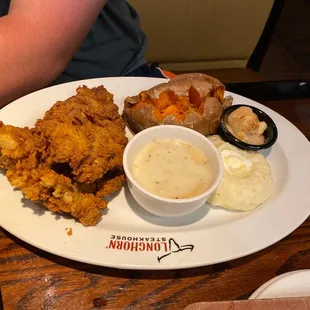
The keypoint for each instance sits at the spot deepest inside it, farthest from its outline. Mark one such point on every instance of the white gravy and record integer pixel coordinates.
(172, 168)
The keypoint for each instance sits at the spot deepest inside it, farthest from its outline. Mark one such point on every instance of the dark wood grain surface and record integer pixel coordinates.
(34, 279)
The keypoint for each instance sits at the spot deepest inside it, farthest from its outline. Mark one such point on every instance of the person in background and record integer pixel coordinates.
(48, 42)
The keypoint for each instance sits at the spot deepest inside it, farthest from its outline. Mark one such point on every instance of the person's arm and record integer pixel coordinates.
(37, 40)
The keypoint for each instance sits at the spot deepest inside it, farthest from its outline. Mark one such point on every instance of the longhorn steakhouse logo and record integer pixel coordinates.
(148, 244)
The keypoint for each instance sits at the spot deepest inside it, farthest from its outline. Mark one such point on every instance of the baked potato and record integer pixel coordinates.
(193, 100)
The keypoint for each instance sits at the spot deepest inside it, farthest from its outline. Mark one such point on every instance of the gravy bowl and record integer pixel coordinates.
(169, 207)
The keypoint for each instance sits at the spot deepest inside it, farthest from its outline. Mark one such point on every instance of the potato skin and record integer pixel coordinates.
(140, 119)
(210, 90)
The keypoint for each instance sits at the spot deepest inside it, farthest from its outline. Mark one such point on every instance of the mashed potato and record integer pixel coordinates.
(247, 180)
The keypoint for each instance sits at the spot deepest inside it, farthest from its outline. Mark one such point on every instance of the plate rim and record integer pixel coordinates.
(257, 293)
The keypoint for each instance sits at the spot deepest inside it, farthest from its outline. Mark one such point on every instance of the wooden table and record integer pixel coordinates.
(33, 279)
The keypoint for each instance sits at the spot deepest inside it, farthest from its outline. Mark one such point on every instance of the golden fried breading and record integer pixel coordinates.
(57, 193)
(106, 187)
(115, 128)
(89, 105)
(38, 184)
(90, 150)
(64, 143)
(87, 132)
(15, 144)
(76, 207)
(72, 157)
(105, 154)
(110, 183)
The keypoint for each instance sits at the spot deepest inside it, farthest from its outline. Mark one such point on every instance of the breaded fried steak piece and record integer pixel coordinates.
(72, 157)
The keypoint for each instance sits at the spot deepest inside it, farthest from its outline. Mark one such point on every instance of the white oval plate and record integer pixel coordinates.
(291, 284)
(127, 236)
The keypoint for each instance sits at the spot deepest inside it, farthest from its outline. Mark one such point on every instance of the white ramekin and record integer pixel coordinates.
(167, 207)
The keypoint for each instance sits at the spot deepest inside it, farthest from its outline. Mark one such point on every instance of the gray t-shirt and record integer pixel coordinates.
(115, 45)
